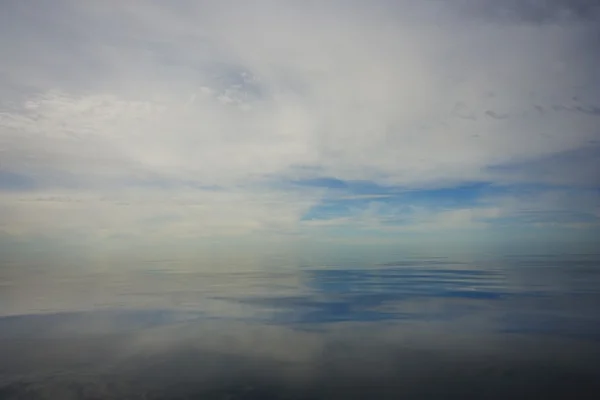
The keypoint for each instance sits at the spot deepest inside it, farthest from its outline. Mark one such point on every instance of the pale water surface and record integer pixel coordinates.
(394, 324)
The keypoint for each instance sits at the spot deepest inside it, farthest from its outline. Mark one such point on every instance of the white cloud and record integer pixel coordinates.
(152, 214)
(108, 95)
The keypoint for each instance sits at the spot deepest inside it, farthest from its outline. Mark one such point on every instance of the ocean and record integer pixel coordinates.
(402, 324)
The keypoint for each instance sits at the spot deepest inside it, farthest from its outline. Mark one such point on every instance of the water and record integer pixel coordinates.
(399, 324)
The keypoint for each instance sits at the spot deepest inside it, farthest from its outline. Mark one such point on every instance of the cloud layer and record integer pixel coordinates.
(226, 107)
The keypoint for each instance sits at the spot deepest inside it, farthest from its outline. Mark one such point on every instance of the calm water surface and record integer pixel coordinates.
(399, 325)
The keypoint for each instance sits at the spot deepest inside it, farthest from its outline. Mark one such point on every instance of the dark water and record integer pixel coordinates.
(408, 326)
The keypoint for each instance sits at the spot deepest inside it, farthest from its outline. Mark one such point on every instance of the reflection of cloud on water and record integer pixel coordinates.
(506, 294)
(386, 293)
(216, 359)
(31, 290)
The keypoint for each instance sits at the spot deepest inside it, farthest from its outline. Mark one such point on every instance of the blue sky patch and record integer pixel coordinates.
(356, 196)
(10, 181)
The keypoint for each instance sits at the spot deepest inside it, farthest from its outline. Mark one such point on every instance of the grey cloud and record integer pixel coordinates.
(535, 11)
(105, 95)
(181, 52)
(495, 115)
(577, 168)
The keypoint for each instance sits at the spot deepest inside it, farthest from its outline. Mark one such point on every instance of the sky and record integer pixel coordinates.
(206, 122)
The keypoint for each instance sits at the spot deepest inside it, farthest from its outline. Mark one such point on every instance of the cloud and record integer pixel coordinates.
(152, 214)
(98, 97)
